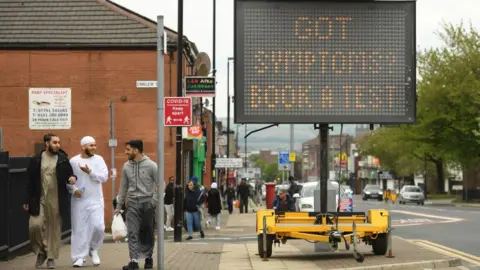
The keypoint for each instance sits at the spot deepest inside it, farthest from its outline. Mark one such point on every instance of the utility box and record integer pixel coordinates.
(331, 207)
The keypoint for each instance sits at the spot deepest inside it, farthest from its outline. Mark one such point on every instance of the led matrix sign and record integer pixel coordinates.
(324, 61)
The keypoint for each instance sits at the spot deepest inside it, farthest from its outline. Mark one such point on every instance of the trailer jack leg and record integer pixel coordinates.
(359, 257)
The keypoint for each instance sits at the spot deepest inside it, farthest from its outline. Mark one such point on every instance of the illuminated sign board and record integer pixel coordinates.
(325, 61)
(198, 86)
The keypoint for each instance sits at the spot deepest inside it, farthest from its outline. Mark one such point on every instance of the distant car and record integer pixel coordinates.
(411, 194)
(372, 192)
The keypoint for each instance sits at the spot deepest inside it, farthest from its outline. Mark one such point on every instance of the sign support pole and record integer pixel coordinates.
(323, 165)
(178, 213)
(160, 144)
(112, 150)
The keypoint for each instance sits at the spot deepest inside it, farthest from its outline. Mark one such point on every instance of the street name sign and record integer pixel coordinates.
(325, 61)
(177, 111)
(228, 163)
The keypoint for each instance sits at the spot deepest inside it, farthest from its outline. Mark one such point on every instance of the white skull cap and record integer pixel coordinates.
(87, 140)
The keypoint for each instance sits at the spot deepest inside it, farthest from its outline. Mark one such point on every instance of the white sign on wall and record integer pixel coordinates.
(146, 84)
(50, 108)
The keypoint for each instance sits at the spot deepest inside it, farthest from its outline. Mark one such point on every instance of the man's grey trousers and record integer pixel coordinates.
(141, 229)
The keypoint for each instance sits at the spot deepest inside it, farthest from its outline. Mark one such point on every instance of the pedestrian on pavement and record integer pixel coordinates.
(243, 192)
(192, 213)
(214, 205)
(168, 201)
(258, 192)
(230, 195)
(283, 202)
(88, 225)
(293, 188)
(202, 202)
(48, 200)
(139, 183)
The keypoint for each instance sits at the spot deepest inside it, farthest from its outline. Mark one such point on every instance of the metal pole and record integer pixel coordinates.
(389, 238)
(177, 233)
(160, 140)
(323, 167)
(245, 146)
(228, 108)
(214, 155)
(112, 151)
(264, 238)
(292, 165)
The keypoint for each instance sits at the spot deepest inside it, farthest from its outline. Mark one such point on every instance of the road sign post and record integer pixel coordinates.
(161, 37)
(178, 111)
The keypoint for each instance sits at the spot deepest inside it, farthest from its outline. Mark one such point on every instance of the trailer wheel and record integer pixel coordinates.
(269, 245)
(380, 244)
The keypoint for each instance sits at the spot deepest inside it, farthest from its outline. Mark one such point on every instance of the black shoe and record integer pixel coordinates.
(148, 263)
(131, 266)
(202, 235)
(189, 238)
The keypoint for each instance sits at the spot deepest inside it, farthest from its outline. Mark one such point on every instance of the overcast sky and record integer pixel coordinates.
(198, 24)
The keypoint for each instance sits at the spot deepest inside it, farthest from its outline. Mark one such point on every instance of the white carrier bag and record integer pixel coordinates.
(119, 229)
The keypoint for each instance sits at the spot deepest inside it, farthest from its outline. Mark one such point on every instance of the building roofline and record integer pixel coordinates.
(190, 49)
(147, 22)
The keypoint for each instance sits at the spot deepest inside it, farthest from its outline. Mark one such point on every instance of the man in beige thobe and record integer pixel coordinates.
(48, 200)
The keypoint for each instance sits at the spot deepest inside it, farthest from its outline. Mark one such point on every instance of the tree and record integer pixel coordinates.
(448, 108)
(270, 173)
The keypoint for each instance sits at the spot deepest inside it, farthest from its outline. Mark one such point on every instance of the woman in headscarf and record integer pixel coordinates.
(214, 205)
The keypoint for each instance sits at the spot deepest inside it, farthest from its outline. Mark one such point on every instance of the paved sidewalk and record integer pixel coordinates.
(215, 252)
(234, 225)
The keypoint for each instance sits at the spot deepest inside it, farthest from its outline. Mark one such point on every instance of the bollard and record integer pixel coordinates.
(265, 238)
(389, 238)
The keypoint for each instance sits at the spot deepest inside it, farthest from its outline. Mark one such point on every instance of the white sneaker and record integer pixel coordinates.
(169, 229)
(217, 228)
(95, 257)
(79, 263)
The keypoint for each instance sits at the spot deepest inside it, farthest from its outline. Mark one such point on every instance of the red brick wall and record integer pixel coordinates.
(95, 77)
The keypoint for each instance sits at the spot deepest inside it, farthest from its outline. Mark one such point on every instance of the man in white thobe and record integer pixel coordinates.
(88, 226)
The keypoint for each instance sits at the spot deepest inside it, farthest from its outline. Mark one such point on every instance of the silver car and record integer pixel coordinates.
(411, 194)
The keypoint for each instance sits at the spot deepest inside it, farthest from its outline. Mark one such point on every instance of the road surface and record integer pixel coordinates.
(449, 229)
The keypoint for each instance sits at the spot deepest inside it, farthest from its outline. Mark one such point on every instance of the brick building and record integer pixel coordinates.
(99, 50)
(311, 149)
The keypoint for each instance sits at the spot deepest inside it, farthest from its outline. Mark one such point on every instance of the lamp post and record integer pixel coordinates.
(228, 105)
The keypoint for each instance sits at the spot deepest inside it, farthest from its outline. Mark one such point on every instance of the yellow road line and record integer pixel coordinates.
(447, 251)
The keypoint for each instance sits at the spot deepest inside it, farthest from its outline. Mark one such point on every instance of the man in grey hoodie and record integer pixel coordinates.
(140, 184)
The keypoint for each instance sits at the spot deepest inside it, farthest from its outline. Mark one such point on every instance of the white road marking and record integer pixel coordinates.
(446, 219)
(447, 251)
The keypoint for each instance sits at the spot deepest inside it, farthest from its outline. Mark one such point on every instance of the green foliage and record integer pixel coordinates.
(448, 109)
(269, 171)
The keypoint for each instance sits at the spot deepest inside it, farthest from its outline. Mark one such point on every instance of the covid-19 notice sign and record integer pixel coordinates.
(325, 61)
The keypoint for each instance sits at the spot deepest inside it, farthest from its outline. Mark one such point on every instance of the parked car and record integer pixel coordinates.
(412, 194)
(372, 192)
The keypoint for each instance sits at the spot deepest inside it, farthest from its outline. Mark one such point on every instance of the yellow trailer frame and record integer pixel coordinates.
(349, 228)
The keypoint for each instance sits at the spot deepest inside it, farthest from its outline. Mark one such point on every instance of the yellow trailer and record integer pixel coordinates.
(350, 228)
